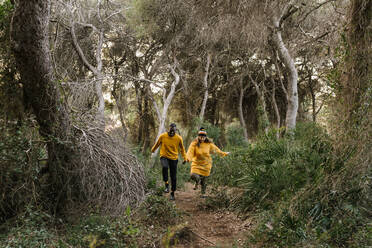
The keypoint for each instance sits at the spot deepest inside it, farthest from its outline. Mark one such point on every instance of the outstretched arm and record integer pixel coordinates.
(218, 151)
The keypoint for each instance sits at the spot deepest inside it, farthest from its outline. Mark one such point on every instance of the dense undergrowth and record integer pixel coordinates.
(143, 227)
(301, 191)
(26, 222)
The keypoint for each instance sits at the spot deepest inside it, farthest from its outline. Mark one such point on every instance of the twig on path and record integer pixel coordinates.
(203, 238)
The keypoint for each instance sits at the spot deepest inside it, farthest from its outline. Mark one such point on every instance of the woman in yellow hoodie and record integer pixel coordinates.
(199, 154)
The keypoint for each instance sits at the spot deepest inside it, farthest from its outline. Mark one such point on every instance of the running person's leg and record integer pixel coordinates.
(196, 178)
(203, 183)
(165, 165)
(173, 173)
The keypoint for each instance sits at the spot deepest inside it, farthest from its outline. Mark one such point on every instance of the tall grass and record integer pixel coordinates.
(303, 192)
(277, 168)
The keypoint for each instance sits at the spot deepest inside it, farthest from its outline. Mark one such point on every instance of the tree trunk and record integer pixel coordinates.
(146, 123)
(30, 44)
(276, 109)
(263, 120)
(357, 76)
(139, 96)
(119, 102)
(292, 104)
(205, 84)
(313, 100)
(240, 107)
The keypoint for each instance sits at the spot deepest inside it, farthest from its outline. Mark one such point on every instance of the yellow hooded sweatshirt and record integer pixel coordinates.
(169, 146)
(200, 156)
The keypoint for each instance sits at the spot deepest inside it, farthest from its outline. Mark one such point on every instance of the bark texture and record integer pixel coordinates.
(292, 92)
(205, 85)
(30, 44)
(357, 75)
(240, 107)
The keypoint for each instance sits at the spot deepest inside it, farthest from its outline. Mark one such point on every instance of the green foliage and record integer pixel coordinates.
(277, 168)
(35, 229)
(227, 171)
(142, 16)
(235, 136)
(158, 210)
(102, 231)
(151, 174)
(300, 197)
(31, 230)
(11, 99)
(213, 132)
(6, 9)
(19, 169)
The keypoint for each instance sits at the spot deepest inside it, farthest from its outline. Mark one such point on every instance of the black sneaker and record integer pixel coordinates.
(166, 190)
(172, 196)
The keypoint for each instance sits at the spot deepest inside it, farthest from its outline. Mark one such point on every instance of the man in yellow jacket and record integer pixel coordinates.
(170, 143)
(199, 154)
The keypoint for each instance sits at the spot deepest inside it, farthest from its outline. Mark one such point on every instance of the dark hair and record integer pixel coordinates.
(205, 141)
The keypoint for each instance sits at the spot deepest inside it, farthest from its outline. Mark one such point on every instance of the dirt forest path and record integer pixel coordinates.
(209, 228)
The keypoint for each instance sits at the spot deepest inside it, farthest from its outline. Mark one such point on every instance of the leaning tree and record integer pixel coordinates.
(85, 164)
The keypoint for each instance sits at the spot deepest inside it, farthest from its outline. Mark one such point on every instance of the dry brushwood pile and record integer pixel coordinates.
(110, 176)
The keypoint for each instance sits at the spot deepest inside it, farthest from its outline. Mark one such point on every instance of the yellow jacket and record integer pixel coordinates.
(201, 157)
(169, 146)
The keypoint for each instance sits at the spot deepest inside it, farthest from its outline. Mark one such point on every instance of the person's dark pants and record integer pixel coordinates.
(172, 165)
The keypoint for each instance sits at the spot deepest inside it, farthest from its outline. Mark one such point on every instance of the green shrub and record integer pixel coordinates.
(158, 210)
(19, 169)
(235, 136)
(277, 168)
(227, 171)
(102, 231)
(31, 230)
(304, 194)
(213, 132)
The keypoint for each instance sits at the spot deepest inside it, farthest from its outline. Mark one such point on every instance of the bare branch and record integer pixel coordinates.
(313, 9)
(114, 14)
(289, 10)
(80, 51)
(88, 25)
(155, 104)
